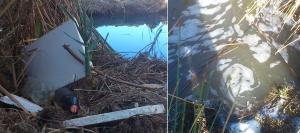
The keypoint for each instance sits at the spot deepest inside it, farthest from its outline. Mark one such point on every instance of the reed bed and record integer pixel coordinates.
(22, 22)
(125, 7)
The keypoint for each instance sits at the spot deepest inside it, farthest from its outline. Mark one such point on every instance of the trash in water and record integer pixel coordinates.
(53, 67)
(31, 107)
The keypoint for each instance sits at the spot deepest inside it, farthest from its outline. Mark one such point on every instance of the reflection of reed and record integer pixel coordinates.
(150, 49)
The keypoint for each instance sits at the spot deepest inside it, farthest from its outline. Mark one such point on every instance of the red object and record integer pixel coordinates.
(66, 98)
(74, 109)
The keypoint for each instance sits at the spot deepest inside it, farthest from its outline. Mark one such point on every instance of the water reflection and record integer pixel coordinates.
(128, 40)
(243, 75)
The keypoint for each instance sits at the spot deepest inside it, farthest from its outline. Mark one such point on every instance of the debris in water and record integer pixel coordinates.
(53, 67)
(251, 126)
(31, 107)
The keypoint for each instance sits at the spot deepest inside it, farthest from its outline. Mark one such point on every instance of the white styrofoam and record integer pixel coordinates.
(53, 67)
(31, 107)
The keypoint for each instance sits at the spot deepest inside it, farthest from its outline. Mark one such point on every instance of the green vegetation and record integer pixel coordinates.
(91, 38)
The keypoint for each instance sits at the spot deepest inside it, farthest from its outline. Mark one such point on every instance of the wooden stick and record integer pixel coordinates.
(100, 73)
(113, 116)
(11, 97)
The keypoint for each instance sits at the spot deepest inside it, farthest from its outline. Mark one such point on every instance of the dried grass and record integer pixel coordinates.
(28, 20)
(128, 7)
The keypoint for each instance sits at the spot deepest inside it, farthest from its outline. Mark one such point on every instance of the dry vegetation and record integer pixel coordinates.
(128, 7)
(22, 22)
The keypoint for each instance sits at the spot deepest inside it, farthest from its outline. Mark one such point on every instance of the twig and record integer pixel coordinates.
(182, 99)
(176, 24)
(228, 117)
(100, 73)
(14, 76)
(21, 75)
(3, 90)
(283, 47)
(6, 8)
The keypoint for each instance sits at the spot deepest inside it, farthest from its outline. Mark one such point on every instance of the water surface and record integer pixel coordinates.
(130, 39)
(237, 60)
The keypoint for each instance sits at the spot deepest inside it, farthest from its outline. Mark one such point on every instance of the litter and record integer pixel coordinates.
(117, 115)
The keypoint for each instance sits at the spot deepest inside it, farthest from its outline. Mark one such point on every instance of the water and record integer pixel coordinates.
(130, 39)
(238, 61)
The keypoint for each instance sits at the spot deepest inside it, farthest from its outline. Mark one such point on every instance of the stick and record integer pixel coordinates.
(11, 97)
(113, 116)
(6, 7)
(14, 76)
(21, 75)
(100, 73)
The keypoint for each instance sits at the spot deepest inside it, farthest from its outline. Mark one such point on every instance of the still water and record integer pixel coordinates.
(236, 59)
(130, 39)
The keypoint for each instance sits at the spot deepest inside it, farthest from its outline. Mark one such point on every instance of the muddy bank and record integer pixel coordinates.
(124, 7)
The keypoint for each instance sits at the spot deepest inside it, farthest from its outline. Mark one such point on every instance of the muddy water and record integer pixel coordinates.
(237, 60)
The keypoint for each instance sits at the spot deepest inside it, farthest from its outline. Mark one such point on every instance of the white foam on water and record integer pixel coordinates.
(189, 76)
(200, 9)
(195, 49)
(220, 22)
(238, 78)
(206, 43)
(238, 30)
(223, 63)
(262, 52)
(189, 31)
(205, 3)
(274, 64)
(219, 16)
(192, 10)
(268, 28)
(216, 32)
(215, 40)
(219, 47)
(233, 19)
(170, 61)
(250, 18)
(228, 7)
(228, 33)
(250, 126)
(251, 40)
(210, 11)
(184, 51)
